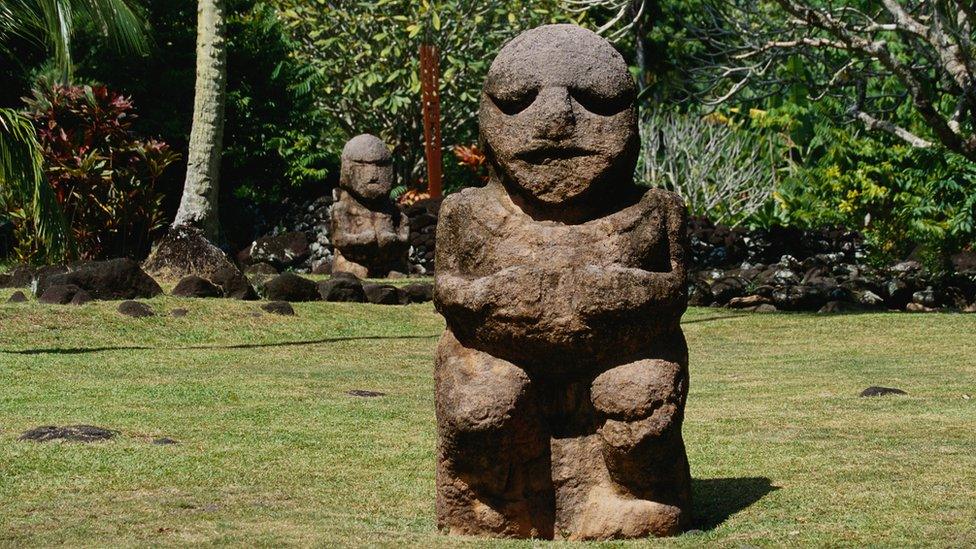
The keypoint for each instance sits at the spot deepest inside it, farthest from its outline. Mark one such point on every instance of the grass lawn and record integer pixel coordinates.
(273, 451)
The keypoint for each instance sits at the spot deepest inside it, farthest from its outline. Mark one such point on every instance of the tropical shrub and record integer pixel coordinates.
(103, 176)
(723, 172)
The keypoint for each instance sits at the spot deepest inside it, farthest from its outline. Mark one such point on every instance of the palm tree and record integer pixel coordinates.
(50, 24)
(198, 206)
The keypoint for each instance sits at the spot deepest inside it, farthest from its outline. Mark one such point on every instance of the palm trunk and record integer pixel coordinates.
(198, 207)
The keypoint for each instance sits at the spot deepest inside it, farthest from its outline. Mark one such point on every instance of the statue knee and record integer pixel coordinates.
(635, 391)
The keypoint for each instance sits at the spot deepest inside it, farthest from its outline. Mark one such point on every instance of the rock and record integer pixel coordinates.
(416, 293)
(799, 298)
(919, 308)
(765, 308)
(178, 313)
(233, 284)
(281, 251)
(561, 377)
(4, 280)
(71, 433)
(964, 262)
(342, 287)
(366, 394)
(290, 287)
(881, 391)
(369, 233)
(748, 301)
(135, 309)
(81, 297)
(20, 277)
(971, 308)
(322, 268)
(727, 288)
(381, 294)
(194, 286)
(835, 307)
(60, 294)
(182, 252)
(261, 268)
(164, 441)
(108, 280)
(41, 279)
(279, 308)
(17, 297)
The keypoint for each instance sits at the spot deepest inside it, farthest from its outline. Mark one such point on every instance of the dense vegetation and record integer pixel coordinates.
(835, 135)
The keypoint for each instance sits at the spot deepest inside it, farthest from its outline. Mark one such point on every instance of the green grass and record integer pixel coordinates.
(274, 452)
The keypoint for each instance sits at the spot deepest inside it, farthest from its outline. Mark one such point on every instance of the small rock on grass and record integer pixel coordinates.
(364, 393)
(279, 308)
(881, 391)
(164, 441)
(178, 313)
(17, 297)
(72, 433)
(135, 309)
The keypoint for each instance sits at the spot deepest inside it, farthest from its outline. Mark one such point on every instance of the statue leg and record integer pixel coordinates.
(493, 471)
(642, 404)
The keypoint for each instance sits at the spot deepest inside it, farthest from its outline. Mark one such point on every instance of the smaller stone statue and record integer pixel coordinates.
(369, 232)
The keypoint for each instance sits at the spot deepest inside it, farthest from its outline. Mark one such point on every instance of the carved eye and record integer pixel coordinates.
(602, 104)
(515, 103)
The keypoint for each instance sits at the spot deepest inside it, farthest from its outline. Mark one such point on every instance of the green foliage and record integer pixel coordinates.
(102, 176)
(52, 24)
(272, 127)
(366, 55)
(900, 197)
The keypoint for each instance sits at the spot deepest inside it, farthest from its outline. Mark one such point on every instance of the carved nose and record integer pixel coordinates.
(555, 120)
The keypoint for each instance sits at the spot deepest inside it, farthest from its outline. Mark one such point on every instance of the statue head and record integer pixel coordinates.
(557, 116)
(367, 168)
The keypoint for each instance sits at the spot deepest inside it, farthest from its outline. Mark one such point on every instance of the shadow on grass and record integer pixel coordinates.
(83, 350)
(712, 318)
(717, 499)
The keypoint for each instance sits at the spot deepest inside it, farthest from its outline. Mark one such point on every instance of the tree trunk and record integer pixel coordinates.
(198, 207)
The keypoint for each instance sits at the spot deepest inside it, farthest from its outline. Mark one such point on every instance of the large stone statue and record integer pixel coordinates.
(369, 233)
(562, 375)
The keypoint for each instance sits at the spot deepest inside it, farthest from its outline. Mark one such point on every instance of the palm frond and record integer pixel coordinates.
(22, 183)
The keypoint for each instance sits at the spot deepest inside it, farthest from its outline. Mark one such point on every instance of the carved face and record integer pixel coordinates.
(557, 115)
(367, 168)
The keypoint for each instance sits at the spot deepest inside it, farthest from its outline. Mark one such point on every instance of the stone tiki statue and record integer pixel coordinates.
(562, 375)
(369, 233)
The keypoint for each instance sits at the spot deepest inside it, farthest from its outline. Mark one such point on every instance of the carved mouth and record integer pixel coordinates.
(544, 155)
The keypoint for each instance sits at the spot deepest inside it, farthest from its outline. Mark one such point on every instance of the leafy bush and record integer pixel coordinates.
(900, 197)
(103, 176)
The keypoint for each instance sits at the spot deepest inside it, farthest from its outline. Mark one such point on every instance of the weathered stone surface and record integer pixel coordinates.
(71, 433)
(874, 391)
(233, 284)
(281, 251)
(195, 286)
(279, 308)
(562, 375)
(261, 268)
(416, 293)
(20, 277)
(342, 287)
(81, 297)
(368, 231)
(17, 297)
(59, 294)
(381, 294)
(290, 287)
(182, 252)
(106, 280)
(135, 309)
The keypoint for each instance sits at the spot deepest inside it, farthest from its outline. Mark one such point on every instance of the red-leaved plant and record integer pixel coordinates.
(103, 175)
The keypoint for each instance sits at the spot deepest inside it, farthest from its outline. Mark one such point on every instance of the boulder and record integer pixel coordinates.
(234, 284)
(182, 252)
(20, 277)
(381, 294)
(342, 287)
(290, 287)
(135, 309)
(281, 251)
(108, 280)
(81, 297)
(417, 293)
(194, 286)
(59, 294)
(17, 297)
(279, 308)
